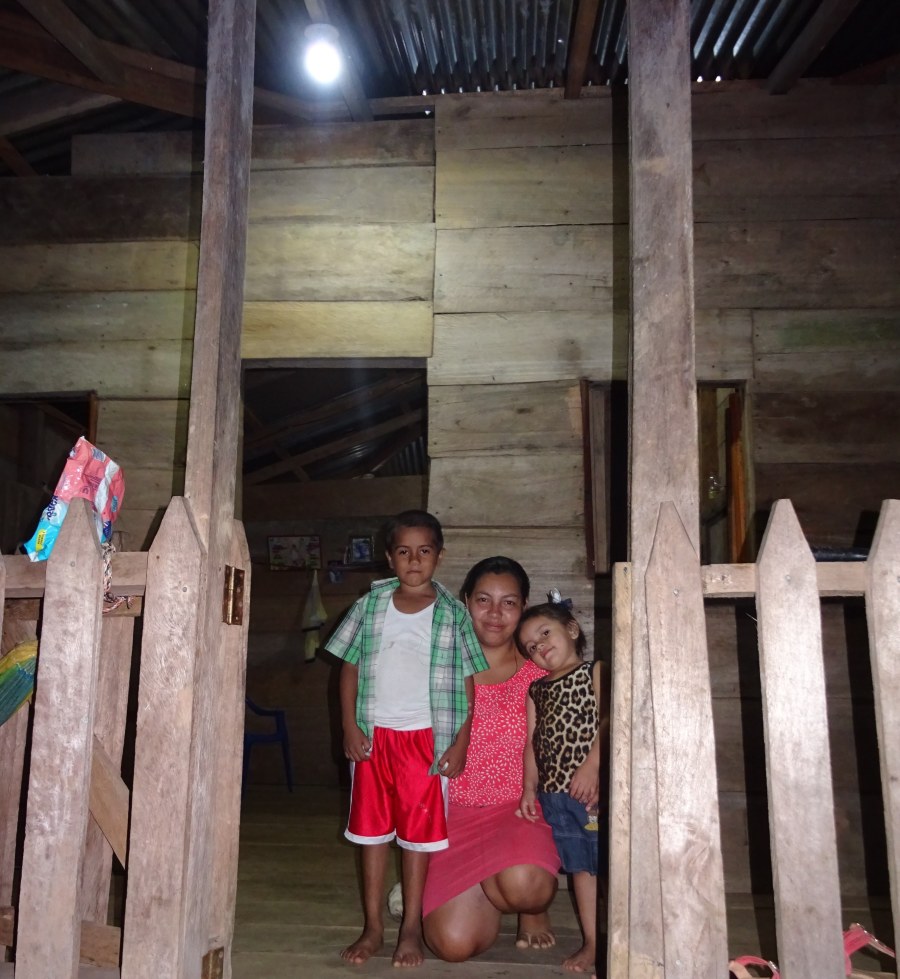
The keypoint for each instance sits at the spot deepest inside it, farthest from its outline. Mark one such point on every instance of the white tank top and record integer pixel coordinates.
(403, 670)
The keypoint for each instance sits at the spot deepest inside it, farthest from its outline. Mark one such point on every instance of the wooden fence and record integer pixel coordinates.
(787, 584)
(79, 812)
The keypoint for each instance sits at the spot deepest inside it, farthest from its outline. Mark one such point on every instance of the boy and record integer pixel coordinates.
(406, 722)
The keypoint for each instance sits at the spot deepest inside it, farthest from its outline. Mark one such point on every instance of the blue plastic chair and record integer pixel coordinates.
(258, 737)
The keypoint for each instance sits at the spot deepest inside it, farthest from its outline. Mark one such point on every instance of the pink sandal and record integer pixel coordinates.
(738, 967)
(855, 938)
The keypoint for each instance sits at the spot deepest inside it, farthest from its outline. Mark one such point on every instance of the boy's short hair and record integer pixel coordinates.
(413, 518)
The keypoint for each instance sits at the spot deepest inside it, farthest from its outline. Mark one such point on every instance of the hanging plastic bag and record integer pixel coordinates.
(314, 617)
(88, 474)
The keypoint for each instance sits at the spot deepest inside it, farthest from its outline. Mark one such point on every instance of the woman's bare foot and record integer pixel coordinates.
(535, 931)
(584, 960)
(368, 944)
(410, 951)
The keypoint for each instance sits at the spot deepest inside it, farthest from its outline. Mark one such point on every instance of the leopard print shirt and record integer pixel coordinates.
(565, 728)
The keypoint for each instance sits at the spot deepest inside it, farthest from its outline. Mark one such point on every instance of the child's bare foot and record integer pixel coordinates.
(368, 944)
(535, 931)
(410, 951)
(582, 961)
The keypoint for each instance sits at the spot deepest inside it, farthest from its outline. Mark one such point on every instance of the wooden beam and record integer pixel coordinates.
(809, 44)
(877, 73)
(99, 943)
(110, 800)
(349, 80)
(279, 450)
(663, 398)
(75, 37)
(14, 159)
(48, 104)
(580, 46)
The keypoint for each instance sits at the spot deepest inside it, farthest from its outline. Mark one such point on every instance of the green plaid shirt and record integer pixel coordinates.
(455, 654)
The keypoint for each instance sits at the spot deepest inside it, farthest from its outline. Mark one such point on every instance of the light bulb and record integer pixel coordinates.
(322, 59)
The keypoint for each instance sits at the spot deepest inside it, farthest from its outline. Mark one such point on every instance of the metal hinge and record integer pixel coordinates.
(214, 961)
(233, 599)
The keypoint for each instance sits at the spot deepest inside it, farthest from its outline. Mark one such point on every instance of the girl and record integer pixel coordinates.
(567, 725)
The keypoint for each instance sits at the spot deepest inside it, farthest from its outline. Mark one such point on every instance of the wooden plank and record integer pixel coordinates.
(41, 317)
(808, 265)
(814, 108)
(383, 143)
(147, 368)
(28, 110)
(149, 489)
(336, 329)
(837, 504)
(503, 419)
(809, 332)
(542, 489)
(580, 47)
(48, 938)
(109, 800)
(231, 710)
(767, 179)
(507, 119)
(567, 267)
(99, 943)
(531, 185)
(339, 261)
(663, 405)
(98, 266)
(693, 888)
(620, 777)
(364, 195)
(834, 578)
(485, 348)
(824, 426)
(144, 434)
(160, 791)
(798, 761)
(779, 372)
(96, 209)
(883, 611)
(321, 499)
(116, 638)
(14, 160)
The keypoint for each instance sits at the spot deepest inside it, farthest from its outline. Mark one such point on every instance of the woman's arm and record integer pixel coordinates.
(528, 803)
(356, 745)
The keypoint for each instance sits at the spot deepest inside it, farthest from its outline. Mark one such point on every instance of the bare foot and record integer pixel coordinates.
(582, 961)
(535, 931)
(367, 945)
(410, 951)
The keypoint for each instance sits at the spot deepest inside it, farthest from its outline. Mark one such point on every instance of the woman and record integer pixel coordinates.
(497, 862)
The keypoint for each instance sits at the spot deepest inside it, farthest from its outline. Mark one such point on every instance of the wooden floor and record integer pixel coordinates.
(298, 900)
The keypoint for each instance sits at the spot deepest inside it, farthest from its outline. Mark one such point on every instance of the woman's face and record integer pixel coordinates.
(496, 606)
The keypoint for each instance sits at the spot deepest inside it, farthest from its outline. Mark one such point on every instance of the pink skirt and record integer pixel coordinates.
(483, 841)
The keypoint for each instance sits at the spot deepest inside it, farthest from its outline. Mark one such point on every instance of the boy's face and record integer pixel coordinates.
(414, 556)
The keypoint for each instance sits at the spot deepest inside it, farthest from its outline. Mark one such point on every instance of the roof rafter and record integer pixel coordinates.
(580, 46)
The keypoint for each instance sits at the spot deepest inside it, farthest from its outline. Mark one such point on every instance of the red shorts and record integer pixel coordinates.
(394, 797)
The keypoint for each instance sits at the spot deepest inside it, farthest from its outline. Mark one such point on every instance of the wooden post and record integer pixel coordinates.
(883, 611)
(160, 794)
(49, 924)
(663, 411)
(798, 759)
(692, 879)
(620, 775)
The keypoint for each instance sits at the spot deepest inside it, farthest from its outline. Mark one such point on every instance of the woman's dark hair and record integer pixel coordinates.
(413, 518)
(495, 565)
(559, 613)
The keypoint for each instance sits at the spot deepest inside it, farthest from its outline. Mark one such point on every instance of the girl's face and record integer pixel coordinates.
(495, 606)
(550, 644)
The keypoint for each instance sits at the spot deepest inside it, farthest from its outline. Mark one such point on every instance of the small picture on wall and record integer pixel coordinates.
(362, 550)
(295, 553)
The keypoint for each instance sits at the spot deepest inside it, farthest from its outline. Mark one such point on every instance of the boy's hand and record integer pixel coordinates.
(357, 746)
(585, 784)
(528, 805)
(452, 762)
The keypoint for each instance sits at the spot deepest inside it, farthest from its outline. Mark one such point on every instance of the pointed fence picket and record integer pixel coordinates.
(787, 585)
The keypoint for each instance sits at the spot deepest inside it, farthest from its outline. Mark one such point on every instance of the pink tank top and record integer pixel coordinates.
(493, 771)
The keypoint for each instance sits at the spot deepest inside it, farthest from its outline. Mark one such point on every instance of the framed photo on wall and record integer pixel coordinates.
(295, 553)
(361, 550)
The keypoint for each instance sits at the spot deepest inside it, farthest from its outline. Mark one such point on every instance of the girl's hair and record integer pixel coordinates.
(559, 613)
(413, 518)
(496, 565)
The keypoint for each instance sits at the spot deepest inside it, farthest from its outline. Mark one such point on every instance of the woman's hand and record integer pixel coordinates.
(585, 784)
(452, 762)
(528, 805)
(357, 747)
